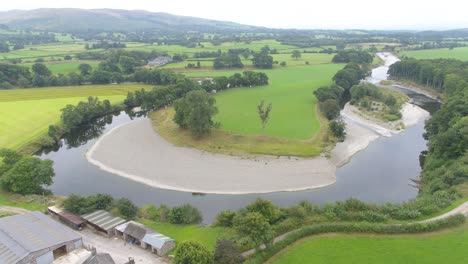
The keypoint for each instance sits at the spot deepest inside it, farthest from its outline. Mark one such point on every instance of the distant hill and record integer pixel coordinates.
(72, 20)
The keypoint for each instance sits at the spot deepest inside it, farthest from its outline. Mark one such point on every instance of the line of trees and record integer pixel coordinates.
(431, 73)
(332, 98)
(356, 56)
(177, 86)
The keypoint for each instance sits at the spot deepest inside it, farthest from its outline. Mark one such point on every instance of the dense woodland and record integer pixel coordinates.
(445, 164)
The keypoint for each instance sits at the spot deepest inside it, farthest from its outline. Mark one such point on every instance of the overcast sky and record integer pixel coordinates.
(327, 14)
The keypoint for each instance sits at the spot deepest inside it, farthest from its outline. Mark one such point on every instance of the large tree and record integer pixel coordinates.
(41, 69)
(191, 252)
(262, 60)
(28, 175)
(85, 69)
(296, 54)
(195, 111)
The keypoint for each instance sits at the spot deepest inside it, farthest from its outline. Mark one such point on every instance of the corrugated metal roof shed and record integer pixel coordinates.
(144, 234)
(23, 234)
(103, 219)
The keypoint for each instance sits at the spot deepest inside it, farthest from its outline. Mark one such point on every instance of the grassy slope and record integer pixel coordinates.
(25, 114)
(205, 235)
(449, 247)
(291, 93)
(457, 53)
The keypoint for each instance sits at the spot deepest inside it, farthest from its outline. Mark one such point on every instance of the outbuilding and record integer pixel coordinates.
(145, 237)
(35, 238)
(72, 220)
(103, 221)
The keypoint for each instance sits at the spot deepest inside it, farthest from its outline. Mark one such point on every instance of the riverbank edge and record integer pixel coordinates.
(91, 157)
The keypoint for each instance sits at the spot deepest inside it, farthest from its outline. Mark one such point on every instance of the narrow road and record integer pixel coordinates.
(462, 209)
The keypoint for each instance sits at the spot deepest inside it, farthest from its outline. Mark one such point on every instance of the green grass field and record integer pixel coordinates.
(457, 53)
(449, 247)
(291, 93)
(25, 114)
(205, 235)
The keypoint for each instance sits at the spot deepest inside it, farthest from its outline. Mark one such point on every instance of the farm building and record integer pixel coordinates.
(160, 61)
(35, 238)
(103, 221)
(145, 237)
(72, 220)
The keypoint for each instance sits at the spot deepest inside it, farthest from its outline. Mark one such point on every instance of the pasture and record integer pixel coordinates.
(446, 247)
(25, 114)
(456, 53)
(291, 93)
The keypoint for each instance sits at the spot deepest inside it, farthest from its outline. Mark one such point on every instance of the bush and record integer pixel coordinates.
(391, 117)
(193, 252)
(226, 252)
(330, 108)
(338, 129)
(126, 208)
(225, 218)
(185, 214)
(372, 216)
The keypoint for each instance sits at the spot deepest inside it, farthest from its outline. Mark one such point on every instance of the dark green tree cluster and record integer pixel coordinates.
(25, 174)
(431, 73)
(195, 111)
(185, 214)
(330, 100)
(105, 45)
(83, 205)
(262, 60)
(350, 75)
(227, 60)
(207, 54)
(356, 56)
(14, 76)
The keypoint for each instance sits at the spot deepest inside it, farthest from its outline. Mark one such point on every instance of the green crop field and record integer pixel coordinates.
(291, 93)
(456, 53)
(448, 247)
(25, 114)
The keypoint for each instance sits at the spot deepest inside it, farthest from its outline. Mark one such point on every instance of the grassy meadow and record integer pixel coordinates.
(291, 93)
(25, 114)
(441, 247)
(460, 53)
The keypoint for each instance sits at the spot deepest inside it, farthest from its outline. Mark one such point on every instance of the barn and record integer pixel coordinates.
(35, 238)
(145, 237)
(103, 221)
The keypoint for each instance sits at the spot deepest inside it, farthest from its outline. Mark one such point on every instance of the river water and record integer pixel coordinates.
(381, 173)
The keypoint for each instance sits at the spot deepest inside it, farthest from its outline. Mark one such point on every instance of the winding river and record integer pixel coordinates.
(380, 173)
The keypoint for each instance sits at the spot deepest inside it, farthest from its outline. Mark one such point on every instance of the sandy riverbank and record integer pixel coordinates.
(137, 152)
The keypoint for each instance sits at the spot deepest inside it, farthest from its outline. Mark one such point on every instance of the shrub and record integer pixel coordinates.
(126, 208)
(391, 117)
(372, 216)
(226, 252)
(192, 252)
(225, 218)
(185, 214)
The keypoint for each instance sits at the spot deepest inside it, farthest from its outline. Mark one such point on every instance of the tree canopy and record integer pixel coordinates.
(195, 111)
